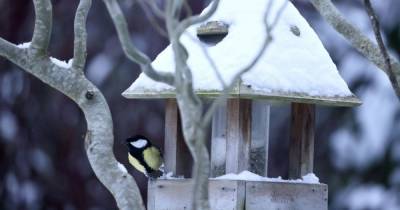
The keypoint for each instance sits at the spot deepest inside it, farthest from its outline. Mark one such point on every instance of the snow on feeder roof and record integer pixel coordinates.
(295, 68)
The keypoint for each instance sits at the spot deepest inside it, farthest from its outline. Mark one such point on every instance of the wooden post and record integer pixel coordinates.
(218, 142)
(259, 137)
(301, 149)
(177, 158)
(238, 135)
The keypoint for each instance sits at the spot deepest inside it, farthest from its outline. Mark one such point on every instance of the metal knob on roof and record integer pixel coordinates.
(212, 32)
(213, 28)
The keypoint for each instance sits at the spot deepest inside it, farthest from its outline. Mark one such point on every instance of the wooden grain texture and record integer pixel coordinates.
(218, 141)
(259, 137)
(177, 194)
(177, 158)
(238, 135)
(301, 149)
(286, 196)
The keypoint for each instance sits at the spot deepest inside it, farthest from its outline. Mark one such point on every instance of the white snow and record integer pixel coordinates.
(310, 178)
(122, 168)
(62, 64)
(291, 64)
(170, 176)
(249, 176)
(24, 45)
(140, 143)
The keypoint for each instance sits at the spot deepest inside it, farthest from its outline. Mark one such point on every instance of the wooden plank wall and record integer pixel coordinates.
(232, 123)
(177, 194)
(301, 149)
(177, 158)
(238, 135)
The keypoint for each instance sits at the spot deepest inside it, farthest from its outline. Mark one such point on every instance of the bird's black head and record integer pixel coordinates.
(138, 142)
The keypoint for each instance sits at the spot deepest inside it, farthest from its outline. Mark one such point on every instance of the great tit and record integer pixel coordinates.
(145, 157)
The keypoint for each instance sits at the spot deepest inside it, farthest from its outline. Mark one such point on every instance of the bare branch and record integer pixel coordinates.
(187, 8)
(80, 34)
(156, 10)
(376, 28)
(43, 26)
(99, 139)
(130, 50)
(8, 50)
(357, 39)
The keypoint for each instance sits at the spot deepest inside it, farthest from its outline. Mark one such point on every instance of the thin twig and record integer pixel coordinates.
(43, 25)
(153, 21)
(80, 34)
(130, 50)
(155, 8)
(378, 35)
(187, 8)
(197, 18)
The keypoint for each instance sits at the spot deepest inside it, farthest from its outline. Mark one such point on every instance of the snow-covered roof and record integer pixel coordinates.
(295, 67)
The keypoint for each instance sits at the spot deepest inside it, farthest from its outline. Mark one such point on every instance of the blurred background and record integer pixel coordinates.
(43, 164)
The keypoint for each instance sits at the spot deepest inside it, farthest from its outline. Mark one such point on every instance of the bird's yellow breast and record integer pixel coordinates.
(152, 157)
(135, 163)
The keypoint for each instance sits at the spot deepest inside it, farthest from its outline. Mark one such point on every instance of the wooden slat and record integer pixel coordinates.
(238, 135)
(301, 149)
(283, 195)
(259, 137)
(218, 142)
(177, 194)
(177, 158)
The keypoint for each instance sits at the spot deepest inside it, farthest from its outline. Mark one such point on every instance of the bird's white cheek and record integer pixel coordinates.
(139, 143)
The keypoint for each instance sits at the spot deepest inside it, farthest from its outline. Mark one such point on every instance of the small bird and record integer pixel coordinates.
(145, 157)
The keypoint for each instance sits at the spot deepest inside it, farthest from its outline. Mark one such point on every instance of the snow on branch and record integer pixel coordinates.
(358, 40)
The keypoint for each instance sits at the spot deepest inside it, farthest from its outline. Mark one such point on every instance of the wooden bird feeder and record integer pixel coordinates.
(240, 131)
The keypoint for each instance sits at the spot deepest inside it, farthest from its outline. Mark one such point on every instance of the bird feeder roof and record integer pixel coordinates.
(294, 68)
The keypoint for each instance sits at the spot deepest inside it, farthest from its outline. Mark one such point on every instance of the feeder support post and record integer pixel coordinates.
(301, 149)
